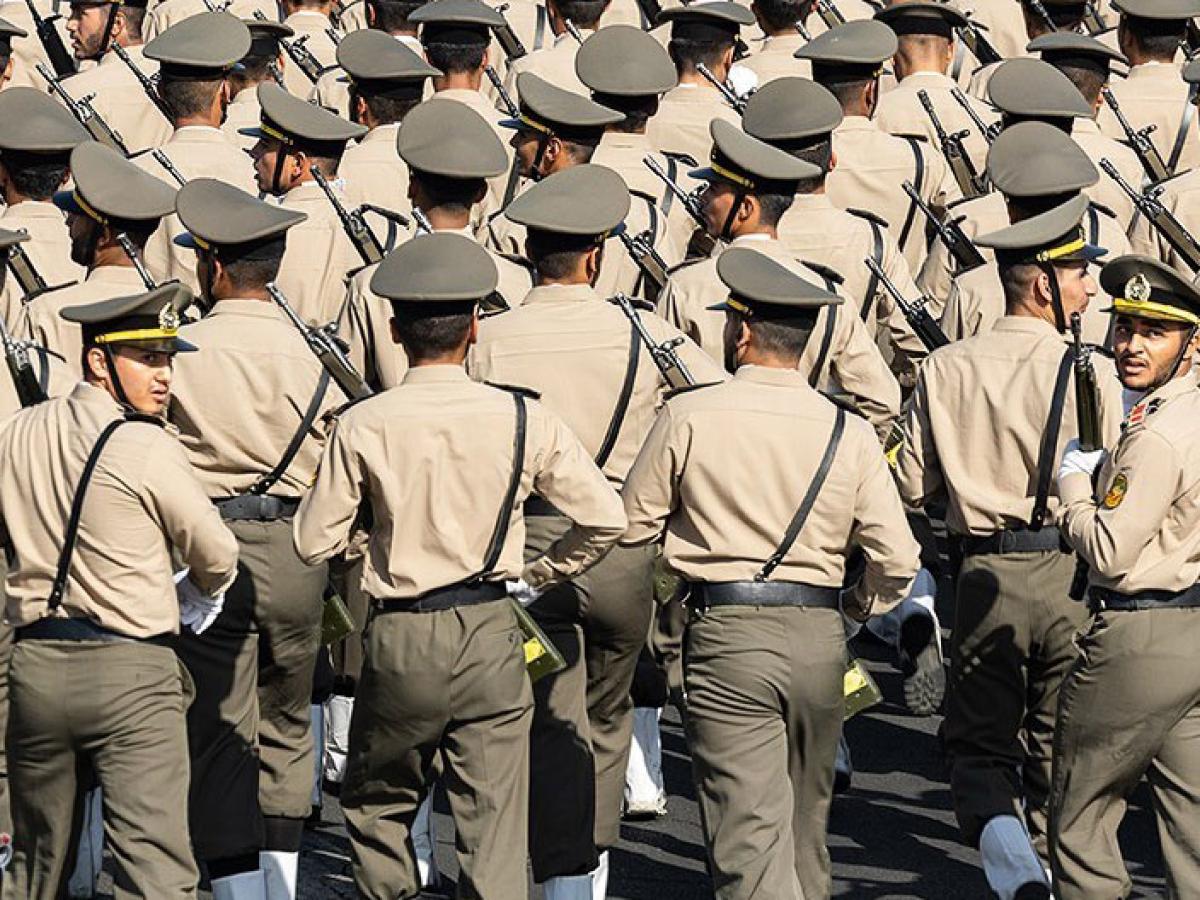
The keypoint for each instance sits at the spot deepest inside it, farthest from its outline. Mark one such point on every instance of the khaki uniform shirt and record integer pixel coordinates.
(622, 12)
(120, 100)
(853, 363)
(373, 171)
(871, 167)
(900, 112)
(1098, 146)
(48, 249)
(172, 12)
(243, 113)
(52, 374)
(438, 414)
(1004, 23)
(318, 257)
(28, 51)
(256, 361)
(725, 468)
(555, 63)
(196, 151)
(44, 326)
(771, 56)
(142, 502)
(975, 421)
(310, 23)
(1155, 94)
(1144, 533)
(571, 345)
(681, 123)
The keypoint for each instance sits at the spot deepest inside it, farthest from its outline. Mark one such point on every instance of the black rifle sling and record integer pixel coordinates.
(877, 255)
(1046, 452)
(539, 31)
(826, 338)
(810, 498)
(72, 534)
(918, 183)
(1185, 125)
(269, 480)
(668, 196)
(500, 532)
(618, 416)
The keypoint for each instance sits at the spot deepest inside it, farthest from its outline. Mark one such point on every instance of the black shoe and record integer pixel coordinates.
(921, 664)
(843, 768)
(1034, 890)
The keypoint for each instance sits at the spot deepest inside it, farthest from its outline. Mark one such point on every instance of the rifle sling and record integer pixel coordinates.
(504, 516)
(269, 480)
(1047, 451)
(1185, 125)
(618, 416)
(877, 255)
(918, 183)
(826, 338)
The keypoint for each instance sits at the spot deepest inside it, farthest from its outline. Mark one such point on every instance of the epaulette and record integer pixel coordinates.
(515, 258)
(1101, 208)
(642, 195)
(685, 158)
(337, 411)
(675, 392)
(825, 272)
(869, 216)
(678, 267)
(516, 389)
(636, 302)
(959, 202)
(845, 402)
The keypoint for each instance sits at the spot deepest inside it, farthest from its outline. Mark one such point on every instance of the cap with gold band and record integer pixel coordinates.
(448, 138)
(34, 122)
(624, 61)
(551, 110)
(436, 269)
(150, 320)
(291, 120)
(1052, 237)
(761, 288)
(1145, 288)
(921, 17)
(718, 22)
(220, 215)
(200, 48)
(1072, 50)
(1031, 88)
(751, 164)
(852, 52)
(108, 187)
(380, 66)
(793, 111)
(138, 4)
(1035, 159)
(582, 201)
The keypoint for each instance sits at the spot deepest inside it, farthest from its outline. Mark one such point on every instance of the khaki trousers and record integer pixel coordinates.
(764, 711)
(116, 709)
(249, 728)
(1129, 707)
(451, 684)
(1011, 646)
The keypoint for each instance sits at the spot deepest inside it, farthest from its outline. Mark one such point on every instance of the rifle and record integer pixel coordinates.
(1093, 21)
(730, 97)
(651, 10)
(1152, 162)
(1163, 220)
(424, 226)
(510, 105)
(830, 14)
(334, 35)
(327, 348)
(573, 31)
(674, 370)
(928, 331)
(950, 233)
(1039, 9)
(146, 83)
(802, 31)
(85, 114)
(273, 71)
(298, 53)
(391, 215)
(507, 38)
(353, 223)
(16, 353)
(56, 51)
(29, 279)
(131, 252)
(1087, 391)
(977, 42)
(653, 267)
(163, 160)
(703, 242)
(989, 132)
(960, 164)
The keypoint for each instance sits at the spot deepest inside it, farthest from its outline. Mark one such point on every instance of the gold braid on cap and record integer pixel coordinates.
(1061, 250)
(168, 327)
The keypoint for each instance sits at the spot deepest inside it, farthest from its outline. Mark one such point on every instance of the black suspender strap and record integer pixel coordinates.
(877, 255)
(810, 497)
(269, 480)
(618, 416)
(918, 184)
(1185, 125)
(1046, 452)
(72, 535)
(668, 196)
(1093, 225)
(500, 532)
(539, 32)
(826, 341)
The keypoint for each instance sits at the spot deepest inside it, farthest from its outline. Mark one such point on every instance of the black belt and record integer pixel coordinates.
(77, 630)
(538, 506)
(762, 593)
(1104, 599)
(256, 507)
(1020, 541)
(444, 598)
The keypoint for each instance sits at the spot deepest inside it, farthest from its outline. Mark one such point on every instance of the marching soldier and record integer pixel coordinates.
(195, 58)
(1066, 18)
(1153, 93)
(251, 745)
(92, 681)
(36, 139)
(750, 187)
(168, 13)
(1128, 706)
(112, 211)
(759, 488)
(444, 672)
(986, 424)
(586, 359)
(555, 63)
(311, 23)
(787, 27)
(262, 62)
(294, 138)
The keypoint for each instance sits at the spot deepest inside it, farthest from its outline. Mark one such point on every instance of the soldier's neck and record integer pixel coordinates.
(443, 219)
(458, 81)
(110, 255)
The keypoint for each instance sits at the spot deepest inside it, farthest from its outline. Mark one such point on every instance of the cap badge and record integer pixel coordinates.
(1137, 288)
(168, 319)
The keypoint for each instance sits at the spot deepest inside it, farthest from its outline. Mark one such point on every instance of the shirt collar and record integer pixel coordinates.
(928, 79)
(244, 306)
(446, 373)
(1027, 325)
(122, 275)
(560, 293)
(767, 375)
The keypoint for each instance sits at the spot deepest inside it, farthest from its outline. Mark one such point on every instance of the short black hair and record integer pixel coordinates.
(1158, 38)
(583, 13)
(816, 152)
(187, 98)
(1088, 81)
(454, 194)
(392, 15)
(781, 14)
(784, 337)
(1065, 16)
(385, 109)
(638, 110)
(36, 175)
(687, 54)
(773, 206)
(846, 92)
(455, 59)
(429, 330)
(255, 68)
(555, 256)
(252, 267)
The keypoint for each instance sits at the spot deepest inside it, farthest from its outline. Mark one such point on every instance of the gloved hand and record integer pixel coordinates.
(1076, 460)
(742, 81)
(197, 610)
(520, 591)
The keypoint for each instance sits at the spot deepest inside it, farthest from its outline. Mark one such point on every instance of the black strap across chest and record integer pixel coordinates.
(269, 480)
(826, 339)
(504, 516)
(877, 255)
(622, 407)
(1047, 451)
(918, 183)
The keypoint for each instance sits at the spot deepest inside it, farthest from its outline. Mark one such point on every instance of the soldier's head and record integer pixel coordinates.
(37, 136)
(95, 25)
(325, 7)
(129, 345)
(196, 57)
(8, 31)
(924, 35)
(456, 35)
(705, 33)
(770, 312)
(386, 78)
(1066, 17)
(1030, 90)
(626, 70)
(848, 60)
(780, 16)
(1152, 30)
(264, 60)
(1156, 321)
(797, 116)
(581, 13)
(749, 184)
(1083, 60)
(557, 128)
(392, 16)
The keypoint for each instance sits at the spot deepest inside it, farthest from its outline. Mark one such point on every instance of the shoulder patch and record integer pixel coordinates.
(515, 389)
(869, 216)
(685, 158)
(688, 388)
(1116, 491)
(824, 271)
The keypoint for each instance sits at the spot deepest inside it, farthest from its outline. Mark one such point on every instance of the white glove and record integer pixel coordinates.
(520, 591)
(197, 610)
(742, 81)
(1076, 460)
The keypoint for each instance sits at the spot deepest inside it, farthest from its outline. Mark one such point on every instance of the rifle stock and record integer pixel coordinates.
(1161, 218)
(652, 266)
(1087, 391)
(953, 150)
(147, 84)
(353, 223)
(61, 59)
(928, 331)
(16, 354)
(665, 355)
(84, 113)
(507, 38)
(950, 233)
(726, 92)
(1152, 162)
(326, 348)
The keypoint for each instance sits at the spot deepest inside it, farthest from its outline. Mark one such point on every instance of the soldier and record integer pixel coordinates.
(556, 62)
(1150, 33)
(1004, 23)
(36, 139)
(8, 62)
(112, 211)
(443, 674)
(95, 27)
(1066, 18)
(787, 26)
(986, 424)
(263, 62)
(386, 81)
(294, 138)
(195, 57)
(585, 358)
(872, 165)
(701, 33)
(254, 668)
(93, 682)
(167, 13)
(385, 16)
(925, 36)
(750, 186)
(765, 645)
(310, 21)
(1136, 663)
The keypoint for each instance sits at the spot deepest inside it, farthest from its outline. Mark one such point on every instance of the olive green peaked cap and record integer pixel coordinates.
(625, 62)
(1148, 289)
(436, 268)
(149, 319)
(219, 214)
(791, 109)
(448, 138)
(748, 162)
(1034, 88)
(378, 64)
(761, 287)
(1053, 236)
(1034, 159)
(292, 120)
(108, 186)
(582, 200)
(204, 46)
(34, 122)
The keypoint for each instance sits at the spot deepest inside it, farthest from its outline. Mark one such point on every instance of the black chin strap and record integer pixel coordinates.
(727, 229)
(1178, 359)
(279, 158)
(106, 38)
(1060, 318)
(543, 143)
(111, 359)
(599, 262)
